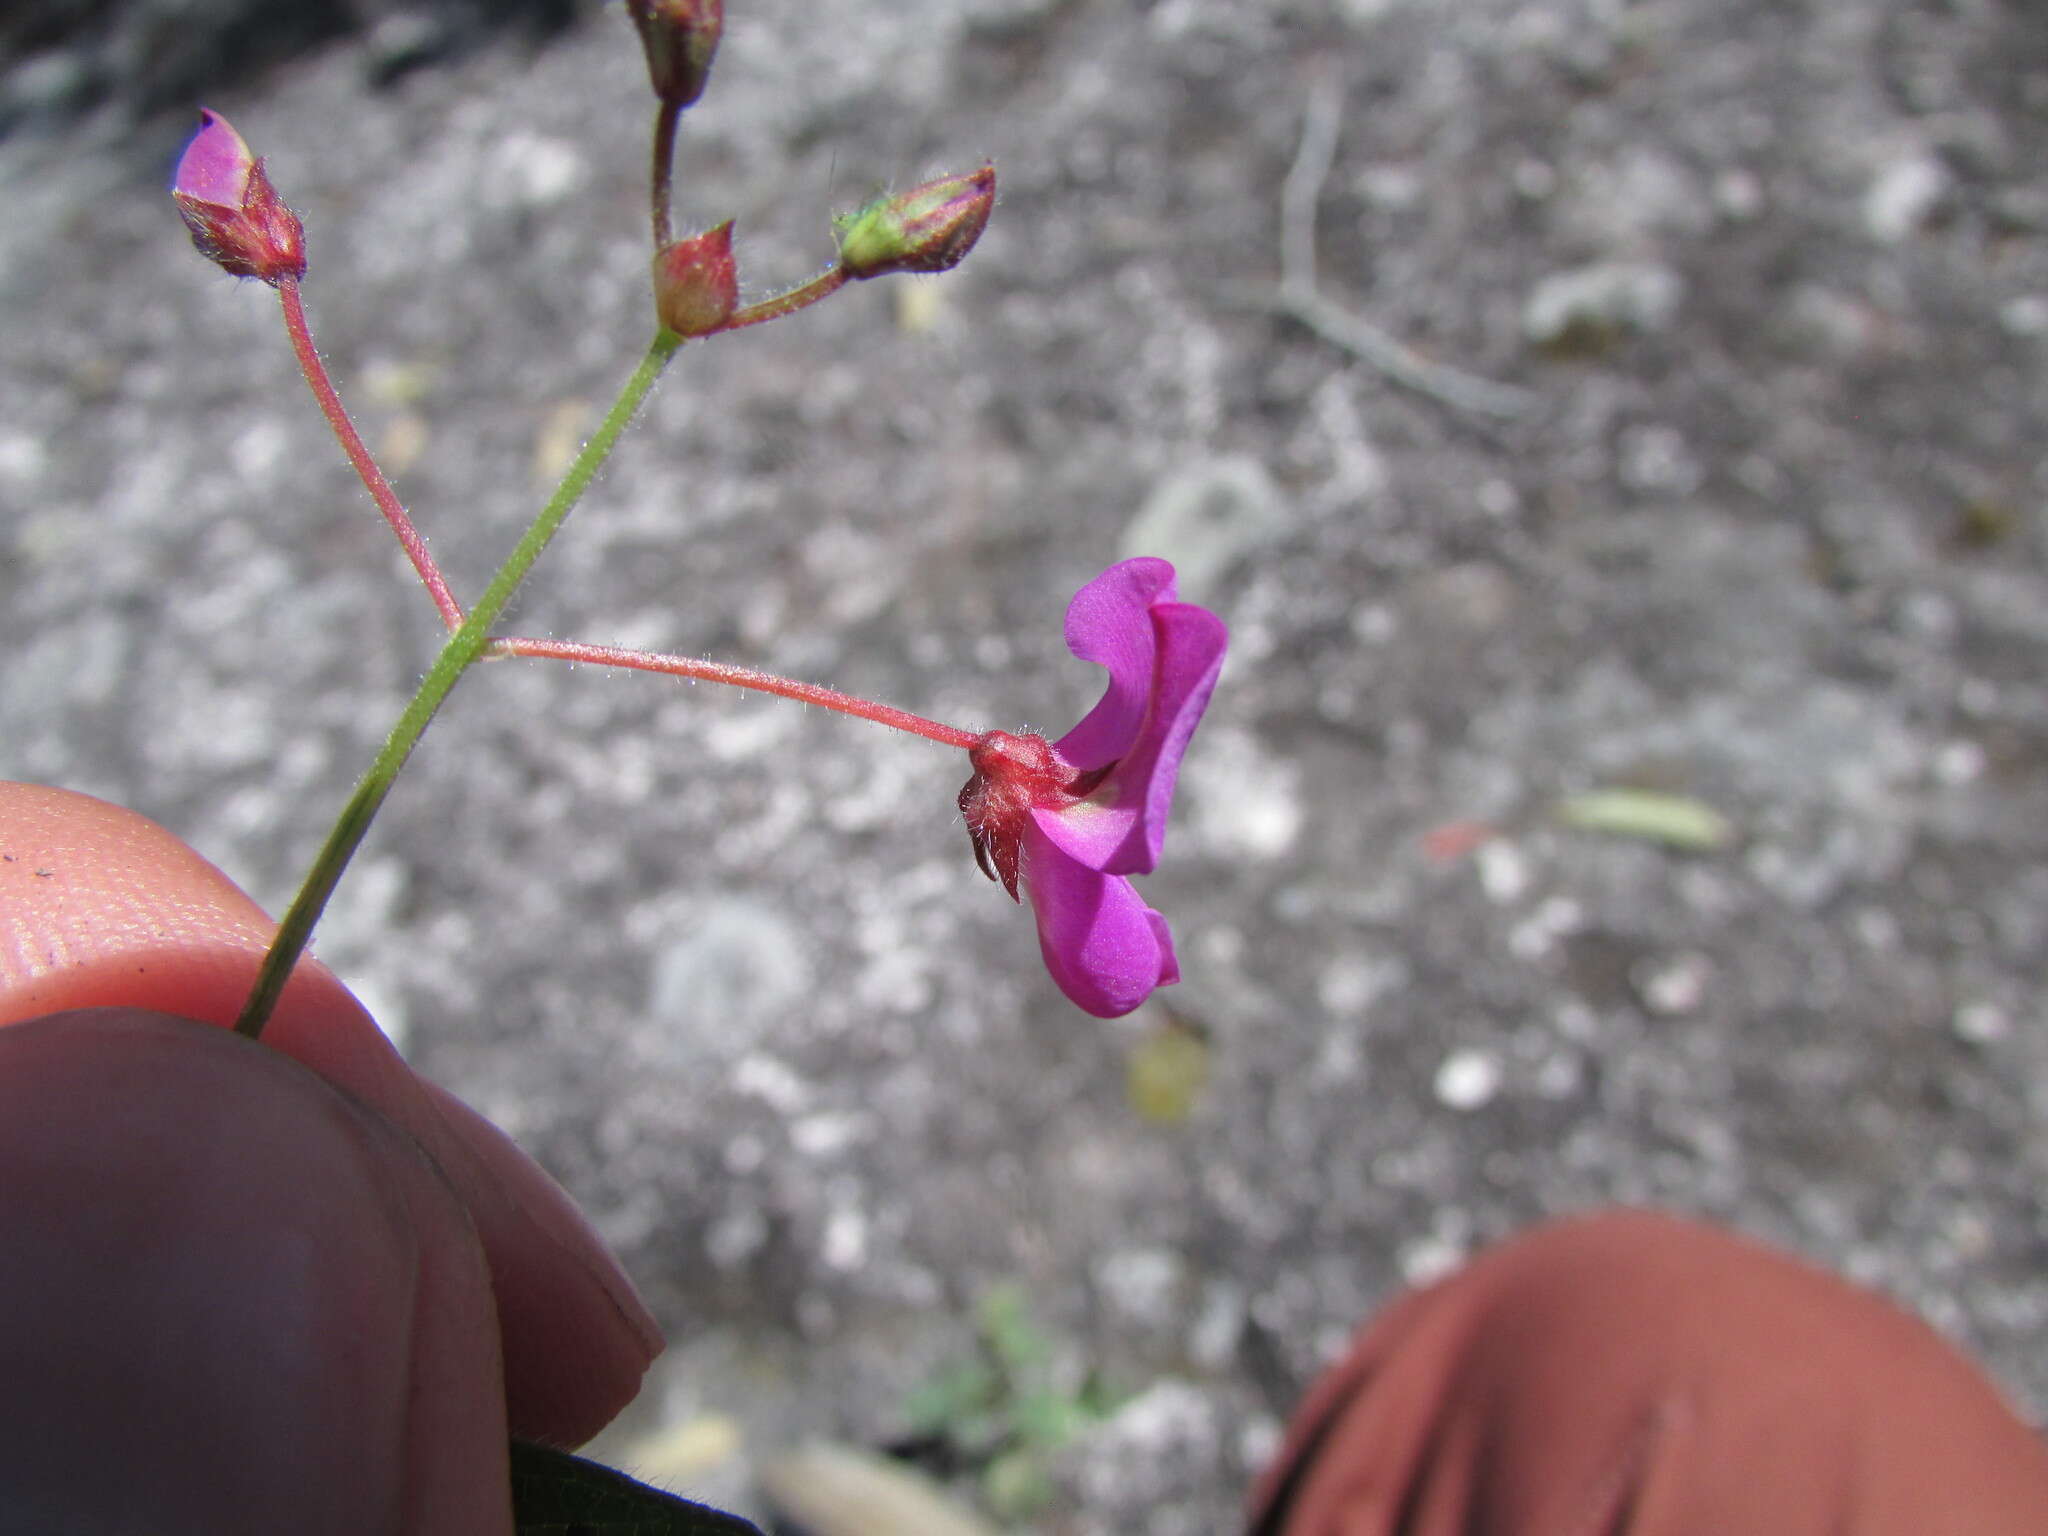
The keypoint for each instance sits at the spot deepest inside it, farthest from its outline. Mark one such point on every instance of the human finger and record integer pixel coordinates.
(100, 906)
(231, 1299)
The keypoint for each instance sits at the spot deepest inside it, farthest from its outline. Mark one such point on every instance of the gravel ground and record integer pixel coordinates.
(1666, 415)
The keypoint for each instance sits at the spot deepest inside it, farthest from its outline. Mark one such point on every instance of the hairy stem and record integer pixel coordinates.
(352, 444)
(803, 296)
(463, 647)
(662, 179)
(739, 677)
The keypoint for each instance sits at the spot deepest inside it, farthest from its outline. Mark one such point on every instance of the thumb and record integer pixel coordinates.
(231, 1299)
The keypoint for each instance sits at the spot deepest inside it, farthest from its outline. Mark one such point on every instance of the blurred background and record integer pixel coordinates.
(1613, 432)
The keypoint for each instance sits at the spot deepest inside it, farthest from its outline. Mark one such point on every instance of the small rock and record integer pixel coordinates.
(406, 40)
(1981, 1023)
(1654, 459)
(45, 88)
(1959, 762)
(1503, 871)
(736, 1237)
(1141, 1283)
(1822, 323)
(1391, 188)
(1352, 982)
(535, 170)
(1429, 1257)
(1148, 1453)
(1590, 306)
(1247, 804)
(2025, 316)
(1218, 1326)
(1903, 196)
(1206, 517)
(844, 1243)
(735, 960)
(1468, 1080)
(1560, 1075)
(1676, 986)
(1738, 195)
(1642, 194)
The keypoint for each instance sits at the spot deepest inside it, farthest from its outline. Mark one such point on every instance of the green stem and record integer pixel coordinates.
(463, 647)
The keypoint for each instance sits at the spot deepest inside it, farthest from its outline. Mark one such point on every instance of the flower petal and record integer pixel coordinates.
(1105, 948)
(1120, 828)
(1109, 622)
(216, 164)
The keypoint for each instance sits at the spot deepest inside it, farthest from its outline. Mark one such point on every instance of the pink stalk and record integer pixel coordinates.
(802, 297)
(359, 454)
(739, 677)
(564, 650)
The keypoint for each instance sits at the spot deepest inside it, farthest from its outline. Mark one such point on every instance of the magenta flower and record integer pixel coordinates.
(233, 212)
(1070, 820)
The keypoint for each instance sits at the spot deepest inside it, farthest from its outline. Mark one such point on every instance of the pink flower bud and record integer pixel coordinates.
(927, 229)
(679, 38)
(696, 284)
(235, 215)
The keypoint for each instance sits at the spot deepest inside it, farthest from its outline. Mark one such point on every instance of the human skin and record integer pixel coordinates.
(256, 1286)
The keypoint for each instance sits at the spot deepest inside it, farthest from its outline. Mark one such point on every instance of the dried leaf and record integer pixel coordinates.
(1677, 821)
(834, 1490)
(1166, 1072)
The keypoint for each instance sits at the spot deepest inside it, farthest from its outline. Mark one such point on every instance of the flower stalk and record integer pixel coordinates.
(239, 221)
(352, 444)
(748, 678)
(469, 641)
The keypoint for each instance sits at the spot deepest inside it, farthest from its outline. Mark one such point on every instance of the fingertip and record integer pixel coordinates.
(237, 1287)
(577, 1336)
(100, 907)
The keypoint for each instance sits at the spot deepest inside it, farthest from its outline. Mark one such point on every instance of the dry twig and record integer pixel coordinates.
(1301, 299)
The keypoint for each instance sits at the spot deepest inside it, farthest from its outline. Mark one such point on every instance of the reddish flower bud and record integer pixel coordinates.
(679, 38)
(927, 229)
(235, 215)
(696, 284)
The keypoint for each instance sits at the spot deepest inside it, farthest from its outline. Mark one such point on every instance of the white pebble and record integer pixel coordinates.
(1468, 1080)
(1981, 1023)
(1902, 197)
(1677, 986)
(1503, 871)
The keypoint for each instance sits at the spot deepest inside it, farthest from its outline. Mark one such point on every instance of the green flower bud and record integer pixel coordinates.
(927, 229)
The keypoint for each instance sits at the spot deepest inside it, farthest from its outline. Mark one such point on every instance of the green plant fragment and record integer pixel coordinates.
(1165, 1073)
(1676, 821)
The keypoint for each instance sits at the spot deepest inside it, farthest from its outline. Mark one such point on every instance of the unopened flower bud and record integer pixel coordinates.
(235, 215)
(696, 284)
(679, 38)
(927, 229)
